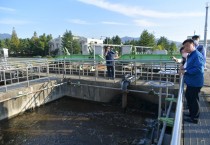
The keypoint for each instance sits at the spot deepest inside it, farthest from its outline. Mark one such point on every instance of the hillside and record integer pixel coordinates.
(4, 36)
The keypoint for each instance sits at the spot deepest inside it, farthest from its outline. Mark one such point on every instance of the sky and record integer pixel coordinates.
(173, 19)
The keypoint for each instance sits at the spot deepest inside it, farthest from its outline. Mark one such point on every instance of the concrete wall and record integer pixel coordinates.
(100, 94)
(15, 101)
(12, 102)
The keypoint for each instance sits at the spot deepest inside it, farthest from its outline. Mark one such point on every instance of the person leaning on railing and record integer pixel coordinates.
(193, 78)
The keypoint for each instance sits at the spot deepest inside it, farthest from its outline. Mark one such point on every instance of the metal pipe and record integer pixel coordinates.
(164, 124)
(136, 91)
(5, 81)
(159, 111)
(176, 134)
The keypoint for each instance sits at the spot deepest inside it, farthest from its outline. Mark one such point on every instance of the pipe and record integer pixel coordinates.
(127, 80)
(164, 124)
(136, 91)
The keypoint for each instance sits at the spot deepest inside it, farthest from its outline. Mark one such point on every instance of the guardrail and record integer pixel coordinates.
(18, 71)
(177, 129)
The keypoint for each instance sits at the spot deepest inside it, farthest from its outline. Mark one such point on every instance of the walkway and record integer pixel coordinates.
(199, 134)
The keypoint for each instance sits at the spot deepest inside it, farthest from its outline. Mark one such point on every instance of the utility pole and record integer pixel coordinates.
(205, 29)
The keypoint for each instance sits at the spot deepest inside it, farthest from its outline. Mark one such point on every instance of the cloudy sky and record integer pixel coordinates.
(174, 19)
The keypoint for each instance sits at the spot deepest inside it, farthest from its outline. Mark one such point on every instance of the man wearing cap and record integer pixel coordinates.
(193, 78)
(199, 47)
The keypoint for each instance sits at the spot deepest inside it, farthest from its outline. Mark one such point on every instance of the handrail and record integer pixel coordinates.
(45, 68)
(176, 134)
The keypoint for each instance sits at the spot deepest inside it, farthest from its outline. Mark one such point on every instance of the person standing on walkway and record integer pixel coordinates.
(110, 55)
(193, 78)
(199, 47)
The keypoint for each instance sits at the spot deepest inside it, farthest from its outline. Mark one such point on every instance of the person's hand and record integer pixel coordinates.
(181, 67)
(181, 71)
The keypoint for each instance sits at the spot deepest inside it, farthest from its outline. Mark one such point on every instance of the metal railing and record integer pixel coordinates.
(177, 128)
(19, 71)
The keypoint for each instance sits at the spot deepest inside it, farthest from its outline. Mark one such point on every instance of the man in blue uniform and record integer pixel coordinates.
(110, 55)
(194, 79)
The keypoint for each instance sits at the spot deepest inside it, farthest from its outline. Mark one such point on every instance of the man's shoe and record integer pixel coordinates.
(195, 121)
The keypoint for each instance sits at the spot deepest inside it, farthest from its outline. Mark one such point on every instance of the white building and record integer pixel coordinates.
(3, 54)
(55, 44)
(88, 45)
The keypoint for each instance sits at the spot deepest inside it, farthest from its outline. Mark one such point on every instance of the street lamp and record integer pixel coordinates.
(205, 28)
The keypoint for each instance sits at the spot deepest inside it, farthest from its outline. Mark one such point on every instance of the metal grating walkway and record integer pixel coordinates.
(199, 134)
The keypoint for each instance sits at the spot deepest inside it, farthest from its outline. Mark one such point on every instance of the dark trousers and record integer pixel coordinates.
(192, 97)
(110, 71)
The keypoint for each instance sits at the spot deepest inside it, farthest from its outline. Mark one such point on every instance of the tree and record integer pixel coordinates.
(44, 43)
(24, 46)
(147, 39)
(67, 41)
(157, 47)
(34, 45)
(131, 42)
(2, 44)
(76, 47)
(7, 43)
(116, 40)
(14, 43)
(172, 48)
(107, 40)
(163, 41)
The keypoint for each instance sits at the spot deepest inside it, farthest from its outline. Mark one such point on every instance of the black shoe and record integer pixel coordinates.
(187, 115)
(195, 121)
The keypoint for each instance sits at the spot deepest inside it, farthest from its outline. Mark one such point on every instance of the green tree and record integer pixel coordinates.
(2, 44)
(76, 47)
(107, 40)
(163, 41)
(14, 43)
(131, 42)
(7, 43)
(44, 44)
(157, 47)
(116, 40)
(172, 48)
(24, 46)
(67, 41)
(34, 45)
(147, 39)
